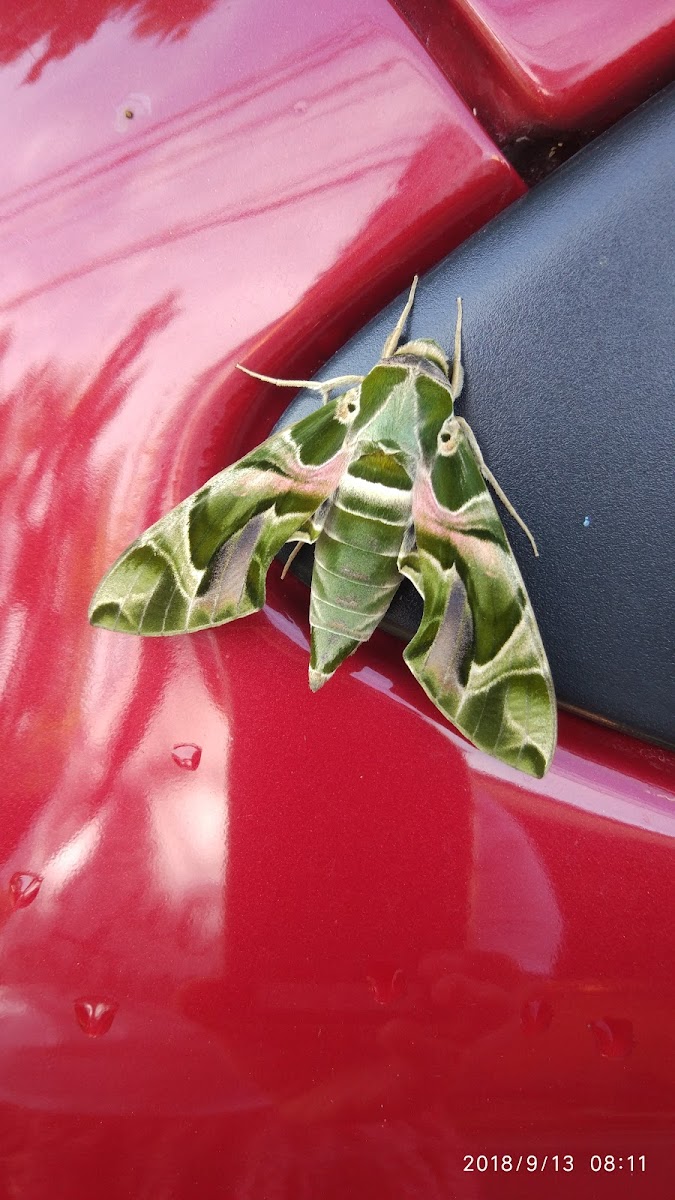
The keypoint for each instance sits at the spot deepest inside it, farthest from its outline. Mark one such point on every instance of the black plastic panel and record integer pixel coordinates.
(569, 316)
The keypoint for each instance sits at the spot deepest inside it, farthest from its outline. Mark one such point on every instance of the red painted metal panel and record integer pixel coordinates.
(551, 65)
(255, 940)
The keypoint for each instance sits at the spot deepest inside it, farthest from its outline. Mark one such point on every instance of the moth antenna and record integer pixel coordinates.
(312, 385)
(395, 335)
(457, 381)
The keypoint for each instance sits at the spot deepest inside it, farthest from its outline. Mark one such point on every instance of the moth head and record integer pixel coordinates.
(428, 349)
(448, 436)
(348, 405)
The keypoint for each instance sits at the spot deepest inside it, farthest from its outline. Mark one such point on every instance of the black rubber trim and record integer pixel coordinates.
(569, 321)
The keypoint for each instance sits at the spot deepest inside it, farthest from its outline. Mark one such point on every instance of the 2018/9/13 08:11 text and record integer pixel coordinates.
(605, 1163)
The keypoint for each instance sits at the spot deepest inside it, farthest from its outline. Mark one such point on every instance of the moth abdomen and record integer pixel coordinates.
(356, 561)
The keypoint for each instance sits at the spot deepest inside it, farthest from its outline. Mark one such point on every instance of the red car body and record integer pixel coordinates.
(258, 942)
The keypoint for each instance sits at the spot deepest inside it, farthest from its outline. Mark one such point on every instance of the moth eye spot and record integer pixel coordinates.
(347, 407)
(447, 439)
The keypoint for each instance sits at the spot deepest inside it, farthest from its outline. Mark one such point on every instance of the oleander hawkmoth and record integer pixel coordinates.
(386, 480)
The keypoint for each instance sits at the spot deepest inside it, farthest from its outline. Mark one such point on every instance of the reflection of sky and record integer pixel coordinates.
(219, 201)
(568, 38)
(235, 162)
(158, 838)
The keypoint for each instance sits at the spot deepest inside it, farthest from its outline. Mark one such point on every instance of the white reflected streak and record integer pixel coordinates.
(190, 838)
(12, 1004)
(380, 682)
(104, 702)
(10, 641)
(514, 909)
(190, 858)
(188, 813)
(74, 855)
(288, 627)
(612, 795)
(42, 494)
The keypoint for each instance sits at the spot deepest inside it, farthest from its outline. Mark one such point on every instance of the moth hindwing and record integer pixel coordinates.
(387, 481)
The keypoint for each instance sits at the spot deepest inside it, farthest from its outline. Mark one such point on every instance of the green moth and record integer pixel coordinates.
(387, 481)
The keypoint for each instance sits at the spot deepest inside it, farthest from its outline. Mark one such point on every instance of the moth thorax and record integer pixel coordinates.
(449, 436)
(426, 348)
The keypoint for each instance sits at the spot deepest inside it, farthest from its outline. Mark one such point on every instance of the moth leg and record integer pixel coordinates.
(313, 385)
(394, 337)
(457, 381)
(487, 475)
(293, 554)
(307, 533)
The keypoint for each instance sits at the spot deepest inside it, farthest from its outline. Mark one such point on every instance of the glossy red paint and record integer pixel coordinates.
(533, 68)
(256, 941)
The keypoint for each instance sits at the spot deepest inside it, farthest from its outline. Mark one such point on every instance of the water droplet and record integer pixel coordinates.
(613, 1036)
(536, 1016)
(95, 1017)
(587, 521)
(187, 756)
(386, 983)
(23, 888)
(300, 106)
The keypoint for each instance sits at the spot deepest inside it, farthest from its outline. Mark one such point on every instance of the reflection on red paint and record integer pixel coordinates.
(536, 1016)
(286, 179)
(387, 983)
(528, 68)
(613, 1036)
(64, 28)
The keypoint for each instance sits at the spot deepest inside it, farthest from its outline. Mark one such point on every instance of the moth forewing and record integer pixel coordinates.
(387, 481)
(478, 653)
(205, 562)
